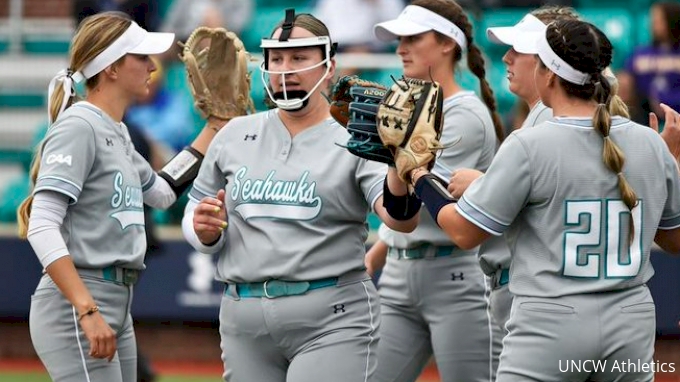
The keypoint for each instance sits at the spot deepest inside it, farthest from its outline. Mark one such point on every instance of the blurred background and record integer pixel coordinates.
(176, 300)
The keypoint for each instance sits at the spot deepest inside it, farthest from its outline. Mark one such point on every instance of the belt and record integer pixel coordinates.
(112, 273)
(421, 252)
(274, 288)
(501, 277)
(278, 288)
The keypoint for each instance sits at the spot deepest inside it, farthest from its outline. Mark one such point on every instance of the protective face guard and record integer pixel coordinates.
(294, 103)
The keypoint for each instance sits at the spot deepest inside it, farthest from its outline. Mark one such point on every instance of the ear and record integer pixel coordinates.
(331, 72)
(551, 79)
(448, 45)
(111, 71)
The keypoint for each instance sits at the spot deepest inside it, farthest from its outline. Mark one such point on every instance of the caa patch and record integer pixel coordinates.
(59, 158)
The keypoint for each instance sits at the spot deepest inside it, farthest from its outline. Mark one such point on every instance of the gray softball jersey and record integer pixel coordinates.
(549, 191)
(90, 158)
(296, 207)
(470, 134)
(494, 253)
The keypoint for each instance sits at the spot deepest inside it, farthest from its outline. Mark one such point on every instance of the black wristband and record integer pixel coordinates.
(182, 169)
(400, 207)
(430, 190)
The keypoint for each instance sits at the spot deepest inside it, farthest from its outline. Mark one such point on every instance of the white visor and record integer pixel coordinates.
(558, 66)
(522, 36)
(134, 40)
(415, 20)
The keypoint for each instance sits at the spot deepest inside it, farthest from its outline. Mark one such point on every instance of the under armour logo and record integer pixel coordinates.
(251, 137)
(555, 65)
(459, 276)
(109, 142)
(337, 308)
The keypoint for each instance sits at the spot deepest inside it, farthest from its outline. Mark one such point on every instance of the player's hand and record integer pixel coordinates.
(210, 218)
(460, 181)
(375, 258)
(671, 130)
(100, 335)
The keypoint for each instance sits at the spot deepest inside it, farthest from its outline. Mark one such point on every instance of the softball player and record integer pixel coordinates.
(85, 218)
(298, 304)
(581, 198)
(521, 60)
(434, 297)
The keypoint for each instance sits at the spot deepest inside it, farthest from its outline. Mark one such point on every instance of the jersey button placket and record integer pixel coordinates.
(285, 150)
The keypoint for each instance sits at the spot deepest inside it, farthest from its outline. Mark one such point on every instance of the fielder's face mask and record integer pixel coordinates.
(293, 100)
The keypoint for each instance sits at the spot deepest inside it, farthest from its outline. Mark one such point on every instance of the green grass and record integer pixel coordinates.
(24, 377)
(42, 377)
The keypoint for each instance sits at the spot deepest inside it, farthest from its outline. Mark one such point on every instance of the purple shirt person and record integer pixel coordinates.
(652, 73)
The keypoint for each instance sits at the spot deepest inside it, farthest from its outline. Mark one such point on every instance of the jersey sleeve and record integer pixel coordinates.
(370, 177)
(493, 201)
(147, 175)
(67, 156)
(670, 217)
(463, 136)
(210, 178)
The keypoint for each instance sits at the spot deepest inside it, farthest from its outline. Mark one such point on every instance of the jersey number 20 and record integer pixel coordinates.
(622, 257)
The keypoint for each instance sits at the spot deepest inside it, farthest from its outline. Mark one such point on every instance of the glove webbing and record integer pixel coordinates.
(419, 103)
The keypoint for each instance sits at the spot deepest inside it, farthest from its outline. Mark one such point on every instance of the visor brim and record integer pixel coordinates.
(521, 40)
(154, 43)
(393, 29)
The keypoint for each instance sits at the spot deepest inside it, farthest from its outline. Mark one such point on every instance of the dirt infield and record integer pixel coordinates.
(192, 349)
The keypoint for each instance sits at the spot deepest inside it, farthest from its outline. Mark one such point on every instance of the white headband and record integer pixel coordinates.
(134, 40)
(132, 37)
(415, 20)
(558, 65)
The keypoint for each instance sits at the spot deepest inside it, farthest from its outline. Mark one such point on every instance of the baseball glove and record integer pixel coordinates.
(410, 123)
(354, 104)
(218, 72)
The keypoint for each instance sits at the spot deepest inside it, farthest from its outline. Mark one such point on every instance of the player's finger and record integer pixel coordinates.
(220, 196)
(204, 214)
(111, 347)
(654, 122)
(212, 201)
(211, 225)
(453, 186)
(207, 209)
(94, 348)
(671, 115)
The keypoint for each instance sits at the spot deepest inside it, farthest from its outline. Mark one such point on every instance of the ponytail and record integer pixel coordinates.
(612, 156)
(476, 64)
(56, 105)
(24, 210)
(616, 104)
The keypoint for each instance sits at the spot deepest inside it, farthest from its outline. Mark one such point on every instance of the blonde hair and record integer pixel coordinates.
(616, 104)
(94, 34)
(549, 13)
